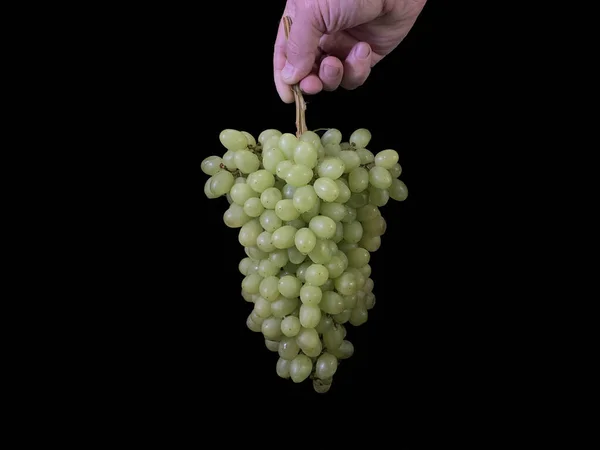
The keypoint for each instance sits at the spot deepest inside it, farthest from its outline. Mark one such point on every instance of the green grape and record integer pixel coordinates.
(262, 307)
(386, 159)
(269, 221)
(344, 351)
(310, 295)
(396, 170)
(283, 306)
(358, 199)
(369, 300)
(279, 257)
(339, 232)
(353, 232)
(359, 316)
(302, 270)
(374, 227)
(369, 285)
(321, 253)
(221, 183)
(252, 326)
(316, 274)
(367, 212)
(351, 300)
(332, 302)
(333, 338)
(295, 256)
(241, 192)
(304, 198)
(326, 189)
(246, 161)
(271, 159)
(325, 324)
(249, 138)
(288, 348)
(207, 191)
(296, 223)
(345, 192)
(310, 315)
(255, 254)
(306, 154)
(360, 138)
(365, 270)
(251, 283)
(235, 217)
(264, 243)
(358, 179)
(331, 167)
(313, 352)
(211, 165)
(359, 277)
(283, 168)
(380, 177)
(233, 140)
(371, 243)
(308, 338)
(271, 328)
(312, 212)
(300, 368)
(283, 368)
(335, 266)
(267, 269)
(283, 237)
(289, 286)
(342, 317)
(366, 156)
(253, 207)
(266, 134)
(299, 175)
(331, 136)
(378, 197)
(271, 143)
(290, 326)
(269, 288)
(351, 160)
(249, 233)
(398, 190)
(287, 144)
(270, 197)
(320, 387)
(240, 180)
(322, 226)
(229, 160)
(286, 210)
(350, 215)
(305, 240)
(335, 211)
(332, 150)
(345, 246)
(326, 366)
(244, 265)
(271, 345)
(260, 180)
(312, 138)
(346, 284)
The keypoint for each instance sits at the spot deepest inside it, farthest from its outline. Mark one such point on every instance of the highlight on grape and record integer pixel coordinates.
(307, 210)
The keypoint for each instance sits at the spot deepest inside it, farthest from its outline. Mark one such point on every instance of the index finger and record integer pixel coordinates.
(284, 90)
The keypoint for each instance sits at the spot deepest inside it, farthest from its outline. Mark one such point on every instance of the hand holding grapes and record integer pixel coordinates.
(335, 43)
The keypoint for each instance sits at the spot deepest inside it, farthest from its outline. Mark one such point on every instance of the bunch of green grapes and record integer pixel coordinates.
(308, 215)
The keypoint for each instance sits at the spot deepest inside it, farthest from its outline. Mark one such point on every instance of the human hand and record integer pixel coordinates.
(335, 43)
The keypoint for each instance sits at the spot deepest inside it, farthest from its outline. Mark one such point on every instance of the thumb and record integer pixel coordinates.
(302, 47)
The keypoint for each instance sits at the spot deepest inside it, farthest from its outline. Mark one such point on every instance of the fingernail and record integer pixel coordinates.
(331, 71)
(288, 71)
(363, 51)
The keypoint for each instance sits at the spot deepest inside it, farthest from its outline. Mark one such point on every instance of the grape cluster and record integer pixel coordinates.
(308, 215)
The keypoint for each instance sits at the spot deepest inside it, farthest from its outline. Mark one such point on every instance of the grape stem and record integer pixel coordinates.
(298, 98)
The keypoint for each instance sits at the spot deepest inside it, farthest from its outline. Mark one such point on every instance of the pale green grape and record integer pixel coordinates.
(360, 278)
(211, 165)
(371, 243)
(290, 326)
(331, 167)
(335, 211)
(267, 269)
(346, 246)
(375, 226)
(360, 138)
(308, 338)
(386, 159)
(365, 270)
(378, 197)
(339, 232)
(299, 175)
(346, 284)
(269, 288)
(255, 253)
(353, 232)
(272, 345)
(326, 189)
(369, 300)
(342, 317)
(266, 134)
(313, 352)
(325, 324)
(320, 387)
(283, 237)
(322, 226)
(289, 286)
(366, 156)
(358, 199)
(283, 368)
(246, 161)
(312, 212)
(335, 266)
(305, 240)
(396, 170)
(358, 179)
(351, 160)
(244, 265)
(326, 366)
(207, 191)
(345, 192)
(287, 144)
(249, 233)
(310, 315)
(300, 368)
(251, 283)
(359, 316)
(253, 207)
(350, 215)
(333, 338)
(296, 223)
(332, 150)
(398, 190)
(332, 302)
(283, 306)
(331, 136)
(367, 212)
(288, 348)
(264, 243)
(249, 138)
(283, 169)
(240, 192)
(240, 180)
(271, 159)
(310, 295)
(306, 155)
(295, 256)
(253, 268)
(229, 160)
(256, 318)
(271, 328)
(262, 308)
(369, 285)
(252, 326)
(279, 257)
(286, 210)
(304, 198)
(380, 177)
(316, 274)
(221, 183)
(302, 270)
(228, 197)
(351, 300)
(344, 351)
(260, 180)
(269, 221)
(233, 140)
(235, 217)
(321, 253)
(312, 138)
